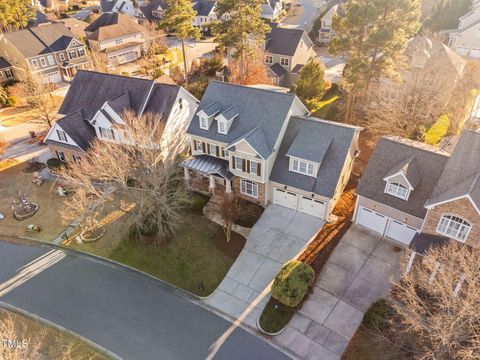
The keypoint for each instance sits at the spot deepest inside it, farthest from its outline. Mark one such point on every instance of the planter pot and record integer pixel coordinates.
(259, 327)
(26, 216)
(87, 240)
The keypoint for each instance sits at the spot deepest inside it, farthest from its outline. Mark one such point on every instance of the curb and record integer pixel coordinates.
(98, 348)
(259, 327)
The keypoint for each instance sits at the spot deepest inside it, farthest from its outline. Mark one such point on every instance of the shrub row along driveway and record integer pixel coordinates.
(128, 313)
(359, 271)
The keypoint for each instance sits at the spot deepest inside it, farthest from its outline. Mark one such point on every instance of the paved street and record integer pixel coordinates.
(304, 13)
(130, 314)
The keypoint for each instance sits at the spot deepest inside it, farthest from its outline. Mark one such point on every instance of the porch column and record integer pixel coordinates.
(186, 174)
(228, 186)
(410, 262)
(212, 182)
(434, 272)
(459, 286)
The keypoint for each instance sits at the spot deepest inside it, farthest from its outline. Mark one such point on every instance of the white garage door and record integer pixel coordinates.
(400, 231)
(127, 57)
(372, 220)
(312, 207)
(475, 53)
(285, 198)
(53, 77)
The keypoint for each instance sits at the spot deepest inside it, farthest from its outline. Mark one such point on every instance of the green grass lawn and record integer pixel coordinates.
(275, 316)
(190, 261)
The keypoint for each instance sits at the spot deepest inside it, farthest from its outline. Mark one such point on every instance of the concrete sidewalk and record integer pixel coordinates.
(278, 236)
(359, 271)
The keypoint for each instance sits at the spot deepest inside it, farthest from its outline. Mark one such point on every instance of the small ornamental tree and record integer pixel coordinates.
(292, 282)
(311, 86)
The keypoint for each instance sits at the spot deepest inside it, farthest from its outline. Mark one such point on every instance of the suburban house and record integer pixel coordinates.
(465, 40)
(271, 9)
(422, 89)
(414, 193)
(95, 103)
(118, 6)
(205, 10)
(325, 33)
(262, 145)
(118, 36)
(151, 11)
(6, 70)
(50, 51)
(286, 52)
(76, 26)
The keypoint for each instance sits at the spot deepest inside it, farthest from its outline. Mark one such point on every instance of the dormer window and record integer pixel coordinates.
(222, 127)
(303, 167)
(398, 190)
(203, 123)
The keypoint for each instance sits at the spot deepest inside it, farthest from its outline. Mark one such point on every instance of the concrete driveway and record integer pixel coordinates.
(279, 235)
(359, 271)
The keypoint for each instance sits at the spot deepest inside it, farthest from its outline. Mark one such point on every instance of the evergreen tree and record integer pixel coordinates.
(444, 14)
(374, 34)
(15, 14)
(240, 24)
(311, 86)
(179, 18)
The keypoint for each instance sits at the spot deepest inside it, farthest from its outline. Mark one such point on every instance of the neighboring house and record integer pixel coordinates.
(118, 6)
(94, 105)
(325, 33)
(465, 41)
(271, 9)
(50, 51)
(427, 81)
(287, 50)
(205, 10)
(77, 27)
(398, 181)
(151, 11)
(419, 195)
(118, 36)
(262, 145)
(6, 70)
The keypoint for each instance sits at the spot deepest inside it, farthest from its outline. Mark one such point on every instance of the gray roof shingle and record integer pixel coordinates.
(4, 63)
(152, 5)
(285, 41)
(78, 129)
(257, 108)
(338, 136)
(203, 7)
(461, 175)
(409, 169)
(389, 153)
(278, 70)
(111, 26)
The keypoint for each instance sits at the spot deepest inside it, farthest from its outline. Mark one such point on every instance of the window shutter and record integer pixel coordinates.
(248, 166)
(208, 148)
(259, 169)
(195, 145)
(218, 151)
(244, 165)
(203, 147)
(58, 134)
(234, 162)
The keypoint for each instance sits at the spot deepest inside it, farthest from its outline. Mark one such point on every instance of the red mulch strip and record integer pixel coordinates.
(232, 248)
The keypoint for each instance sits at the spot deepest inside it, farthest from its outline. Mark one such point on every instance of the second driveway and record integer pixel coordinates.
(279, 235)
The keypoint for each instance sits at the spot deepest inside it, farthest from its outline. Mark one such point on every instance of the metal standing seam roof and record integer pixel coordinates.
(278, 70)
(423, 242)
(209, 165)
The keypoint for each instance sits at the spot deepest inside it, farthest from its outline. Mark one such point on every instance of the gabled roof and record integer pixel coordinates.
(278, 70)
(162, 100)
(257, 108)
(39, 40)
(89, 90)
(285, 41)
(78, 129)
(304, 129)
(230, 113)
(4, 63)
(152, 5)
(203, 7)
(256, 139)
(308, 146)
(461, 176)
(120, 103)
(75, 25)
(111, 26)
(389, 153)
(408, 167)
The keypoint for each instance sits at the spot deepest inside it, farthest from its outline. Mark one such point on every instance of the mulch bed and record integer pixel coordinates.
(232, 248)
(34, 167)
(250, 215)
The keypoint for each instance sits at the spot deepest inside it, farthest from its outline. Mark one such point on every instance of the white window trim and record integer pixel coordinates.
(35, 64)
(449, 221)
(244, 189)
(239, 168)
(284, 61)
(256, 167)
(62, 56)
(397, 186)
(61, 134)
(43, 62)
(295, 167)
(212, 148)
(51, 61)
(268, 59)
(220, 123)
(203, 121)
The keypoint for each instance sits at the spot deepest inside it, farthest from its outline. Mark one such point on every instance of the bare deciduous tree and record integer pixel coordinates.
(22, 345)
(38, 96)
(99, 61)
(230, 209)
(439, 313)
(138, 176)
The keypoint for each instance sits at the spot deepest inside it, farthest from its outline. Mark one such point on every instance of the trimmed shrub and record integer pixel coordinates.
(378, 315)
(198, 202)
(438, 130)
(54, 163)
(292, 283)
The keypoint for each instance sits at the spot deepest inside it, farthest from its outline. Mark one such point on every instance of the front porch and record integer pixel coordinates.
(69, 69)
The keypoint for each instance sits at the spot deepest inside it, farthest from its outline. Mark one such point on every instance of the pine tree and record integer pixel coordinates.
(374, 34)
(444, 14)
(311, 86)
(15, 14)
(240, 23)
(179, 18)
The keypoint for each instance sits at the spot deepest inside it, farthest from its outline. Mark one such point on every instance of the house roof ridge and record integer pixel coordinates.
(415, 144)
(325, 121)
(253, 88)
(116, 75)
